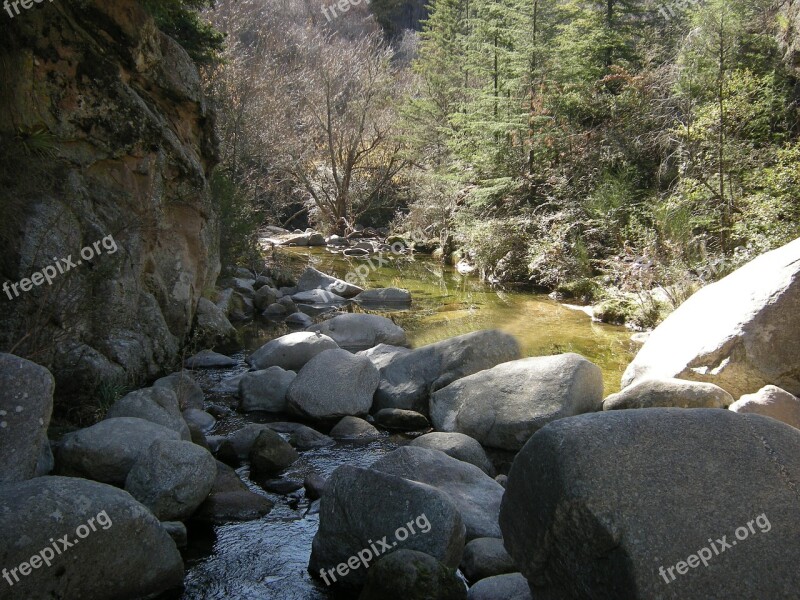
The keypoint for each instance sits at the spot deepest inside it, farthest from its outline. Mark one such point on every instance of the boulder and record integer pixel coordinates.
(361, 507)
(771, 401)
(286, 302)
(476, 495)
(333, 384)
(353, 428)
(229, 385)
(398, 419)
(459, 446)
(361, 331)
(486, 557)
(382, 354)
(236, 447)
(112, 546)
(208, 359)
(408, 380)
(666, 393)
(382, 296)
(739, 333)
(275, 310)
(158, 405)
(412, 575)
(299, 319)
(231, 500)
(212, 327)
(186, 389)
(306, 438)
(311, 279)
(291, 351)
(172, 478)
(177, 531)
(504, 406)
(25, 408)
(108, 450)
(314, 485)
(199, 420)
(265, 390)
(266, 296)
(318, 297)
(600, 502)
(270, 455)
(501, 587)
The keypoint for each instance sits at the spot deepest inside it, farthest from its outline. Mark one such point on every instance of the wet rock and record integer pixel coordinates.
(408, 380)
(158, 405)
(229, 385)
(486, 557)
(291, 352)
(25, 408)
(412, 575)
(235, 448)
(666, 393)
(312, 279)
(172, 478)
(770, 401)
(599, 502)
(208, 359)
(104, 563)
(108, 450)
(504, 406)
(397, 419)
(512, 586)
(265, 390)
(314, 485)
(270, 455)
(186, 389)
(353, 428)
(231, 500)
(361, 506)
(357, 332)
(476, 495)
(199, 419)
(283, 487)
(739, 333)
(306, 438)
(333, 384)
(459, 446)
(383, 296)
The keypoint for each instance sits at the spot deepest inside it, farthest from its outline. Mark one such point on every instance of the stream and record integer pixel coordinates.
(267, 558)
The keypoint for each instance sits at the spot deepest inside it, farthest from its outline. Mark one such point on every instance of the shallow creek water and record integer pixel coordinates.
(267, 558)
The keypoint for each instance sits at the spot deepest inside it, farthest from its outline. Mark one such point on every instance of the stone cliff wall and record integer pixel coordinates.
(103, 132)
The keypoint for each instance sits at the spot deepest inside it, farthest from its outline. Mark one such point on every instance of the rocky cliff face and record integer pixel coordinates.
(104, 136)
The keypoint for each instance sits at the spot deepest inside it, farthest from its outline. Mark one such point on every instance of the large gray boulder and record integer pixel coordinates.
(332, 385)
(512, 586)
(739, 333)
(231, 500)
(156, 404)
(382, 354)
(172, 478)
(362, 507)
(270, 455)
(25, 408)
(669, 393)
(459, 446)
(354, 429)
(412, 575)
(397, 419)
(265, 390)
(771, 401)
(212, 327)
(408, 380)
(598, 504)
(74, 538)
(208, 359)
(356, 332)
(311, 279)
(486, 557)
(186, 388)
(236, 446)
(504, 406)
(291, 351)
(108, 450)
(476, 495)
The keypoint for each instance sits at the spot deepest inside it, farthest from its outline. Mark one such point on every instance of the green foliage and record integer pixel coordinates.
(181, 20)
(239, 222)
